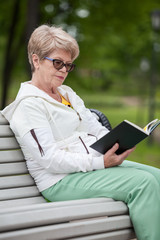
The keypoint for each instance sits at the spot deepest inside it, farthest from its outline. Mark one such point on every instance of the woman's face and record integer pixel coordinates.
(48, 78)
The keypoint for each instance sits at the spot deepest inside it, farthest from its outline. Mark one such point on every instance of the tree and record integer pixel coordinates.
(9, 59)
(32, 21)
(113, 39)
(20, 28)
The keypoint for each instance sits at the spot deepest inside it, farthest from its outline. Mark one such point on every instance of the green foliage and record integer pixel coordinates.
(146, 154)
(114, 37)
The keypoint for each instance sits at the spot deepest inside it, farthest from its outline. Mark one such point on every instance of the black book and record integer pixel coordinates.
(126, 134)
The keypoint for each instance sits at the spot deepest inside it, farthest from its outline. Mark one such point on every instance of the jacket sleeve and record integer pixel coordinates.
(44, 150)
(89, 120)
(93, 125)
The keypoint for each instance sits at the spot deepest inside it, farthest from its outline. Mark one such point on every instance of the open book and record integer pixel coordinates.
(126, 134)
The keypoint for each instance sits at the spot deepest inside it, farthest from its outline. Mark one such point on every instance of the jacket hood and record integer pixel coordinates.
(28, 90)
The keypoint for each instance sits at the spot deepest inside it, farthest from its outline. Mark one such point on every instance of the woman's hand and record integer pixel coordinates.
(111, 159)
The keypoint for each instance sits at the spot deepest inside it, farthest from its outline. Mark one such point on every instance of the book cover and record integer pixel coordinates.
(126, 134)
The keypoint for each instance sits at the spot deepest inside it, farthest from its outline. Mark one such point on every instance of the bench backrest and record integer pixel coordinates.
(16, 186)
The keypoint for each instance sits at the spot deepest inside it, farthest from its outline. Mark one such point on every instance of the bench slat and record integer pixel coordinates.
(11, 156)
(47, 233)
(2, 119)
(13, 204)
(52, 205)
(16, 181)
(36, 217)
(15, 193)
(7, 169)
(5, 131)
(91, 227)
(85, 227)
(116, 235)
(8, 143)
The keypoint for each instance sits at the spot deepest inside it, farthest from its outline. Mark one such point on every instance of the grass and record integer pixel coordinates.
(119, 108)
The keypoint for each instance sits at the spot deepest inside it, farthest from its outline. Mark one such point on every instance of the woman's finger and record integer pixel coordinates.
(127, 153)
(114, 148)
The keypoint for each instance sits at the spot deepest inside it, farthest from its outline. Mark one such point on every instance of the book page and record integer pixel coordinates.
(151, 126)
(136, 126)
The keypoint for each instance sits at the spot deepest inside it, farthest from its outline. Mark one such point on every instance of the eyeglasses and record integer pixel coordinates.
(58, 64)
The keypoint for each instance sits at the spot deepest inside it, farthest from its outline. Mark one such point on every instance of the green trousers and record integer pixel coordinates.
(135, 184)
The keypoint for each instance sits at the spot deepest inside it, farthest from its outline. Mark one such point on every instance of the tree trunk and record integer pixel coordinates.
(32, 22)
(12, 49)
(8, 61)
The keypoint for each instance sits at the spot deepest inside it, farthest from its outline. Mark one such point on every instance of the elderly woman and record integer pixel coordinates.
(55, 130)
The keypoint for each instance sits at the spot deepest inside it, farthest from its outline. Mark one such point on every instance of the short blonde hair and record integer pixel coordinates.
(45, 39)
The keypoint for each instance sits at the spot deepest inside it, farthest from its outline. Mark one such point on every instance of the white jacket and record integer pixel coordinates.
(63, 135)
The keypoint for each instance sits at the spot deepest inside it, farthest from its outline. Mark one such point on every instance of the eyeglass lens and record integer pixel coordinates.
(58, 64)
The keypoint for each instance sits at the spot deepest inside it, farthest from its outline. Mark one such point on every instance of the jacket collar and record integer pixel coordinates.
(27, 90)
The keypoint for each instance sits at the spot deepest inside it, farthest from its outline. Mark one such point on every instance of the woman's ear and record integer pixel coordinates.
(36, 61)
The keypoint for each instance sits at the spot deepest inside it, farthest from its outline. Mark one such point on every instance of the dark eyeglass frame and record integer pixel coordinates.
(69, 66)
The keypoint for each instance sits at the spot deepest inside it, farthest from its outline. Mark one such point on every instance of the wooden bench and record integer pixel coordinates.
(24, 214)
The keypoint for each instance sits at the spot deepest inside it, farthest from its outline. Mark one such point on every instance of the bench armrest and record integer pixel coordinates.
(102, 119)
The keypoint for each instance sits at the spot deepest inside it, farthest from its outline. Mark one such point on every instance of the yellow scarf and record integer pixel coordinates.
(65, 102)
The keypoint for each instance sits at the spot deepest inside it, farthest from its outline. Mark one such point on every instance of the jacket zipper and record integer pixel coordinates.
(92, 135)
(84, 145)
(80, 119)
